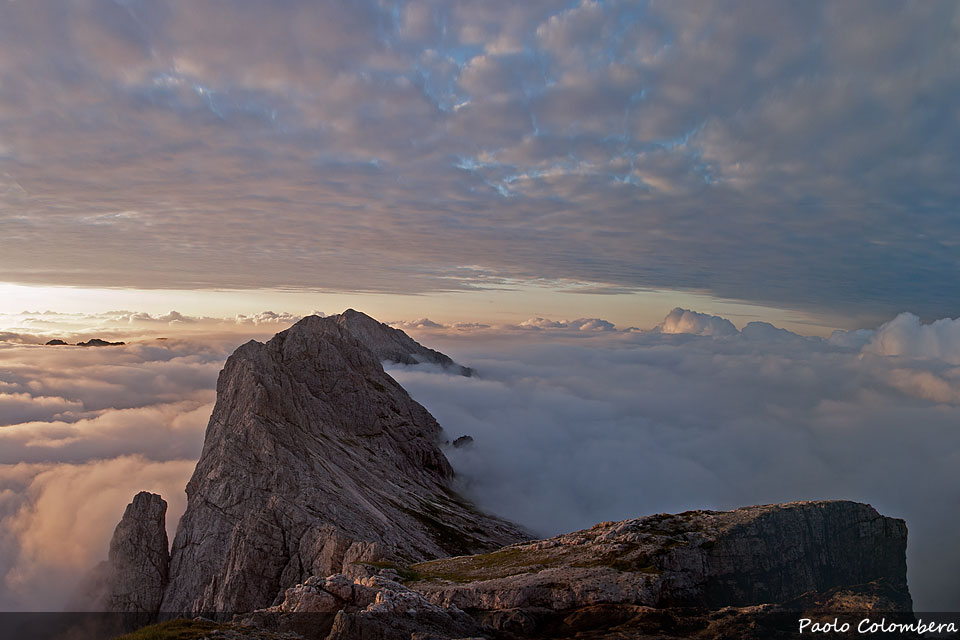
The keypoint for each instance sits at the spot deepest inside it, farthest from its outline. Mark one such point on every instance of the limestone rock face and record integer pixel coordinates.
(314, 459)
(393, 344)
(133, 578)
(372, 607)
(748, 573)
(705, 559)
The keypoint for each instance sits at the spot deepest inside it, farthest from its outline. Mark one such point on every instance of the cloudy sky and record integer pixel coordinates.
(796, 156)
(529, 186)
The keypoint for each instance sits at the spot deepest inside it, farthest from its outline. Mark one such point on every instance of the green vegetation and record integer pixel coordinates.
(432, 518)
(498, 564)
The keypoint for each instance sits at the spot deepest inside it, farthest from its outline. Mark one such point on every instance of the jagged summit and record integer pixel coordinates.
(314, 458)
(393, 344)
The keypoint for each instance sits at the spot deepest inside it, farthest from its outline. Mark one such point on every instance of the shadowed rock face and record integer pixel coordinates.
(139, 556)
(393, 344)
(706, 559)
(135, 575)
(314, 459)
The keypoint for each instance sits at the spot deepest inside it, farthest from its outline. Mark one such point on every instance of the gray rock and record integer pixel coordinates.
(134, 576)
(782, 554)
(393, 344)
(462, 441)
(746, 573)
(373, 608)
(314, 460)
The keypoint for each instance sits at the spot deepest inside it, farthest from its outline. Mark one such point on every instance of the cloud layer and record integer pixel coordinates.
(614, 425)
(81, 431)
(797, 154)
(594, 424)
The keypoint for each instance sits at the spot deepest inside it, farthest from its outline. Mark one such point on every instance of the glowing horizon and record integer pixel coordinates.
(641, 310)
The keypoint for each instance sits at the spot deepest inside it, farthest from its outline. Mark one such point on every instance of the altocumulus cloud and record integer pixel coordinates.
(742, 148)
(593, 425)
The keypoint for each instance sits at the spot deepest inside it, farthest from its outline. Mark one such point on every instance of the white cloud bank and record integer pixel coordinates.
(571, 430)
(591, 425)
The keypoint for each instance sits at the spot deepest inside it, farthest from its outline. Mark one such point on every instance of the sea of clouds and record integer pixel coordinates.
(574, 422)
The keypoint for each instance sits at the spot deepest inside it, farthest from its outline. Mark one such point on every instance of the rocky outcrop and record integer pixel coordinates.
(707, 559)
(462, 441)
(314, 460)
(139, 556)
(133, 578)
(805, 555)
(746, 573)
(373, 607)
(393, 344)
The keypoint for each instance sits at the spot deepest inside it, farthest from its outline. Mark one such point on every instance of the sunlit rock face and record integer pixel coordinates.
(314, 459)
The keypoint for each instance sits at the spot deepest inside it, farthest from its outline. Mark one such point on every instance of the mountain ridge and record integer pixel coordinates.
(321, 489)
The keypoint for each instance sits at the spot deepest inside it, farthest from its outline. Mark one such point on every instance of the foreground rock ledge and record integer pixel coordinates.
(742, 573)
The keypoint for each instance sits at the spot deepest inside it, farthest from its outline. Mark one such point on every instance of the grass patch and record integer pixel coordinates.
(449, 538)
(486, 566)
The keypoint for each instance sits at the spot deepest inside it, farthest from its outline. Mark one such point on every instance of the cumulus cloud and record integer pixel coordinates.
(699, 324)
(378, 147)
(581, 324)
(422, 323)
(906, 335)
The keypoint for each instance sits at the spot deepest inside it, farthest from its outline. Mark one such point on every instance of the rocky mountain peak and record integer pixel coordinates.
(321, 489)
(314, 459)
(393, 344)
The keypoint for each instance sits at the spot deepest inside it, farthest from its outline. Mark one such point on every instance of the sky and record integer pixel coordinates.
(702, 254)
(522, 159)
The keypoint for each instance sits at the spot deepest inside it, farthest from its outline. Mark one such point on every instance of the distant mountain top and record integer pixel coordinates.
(92, 342)
(97, 342)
